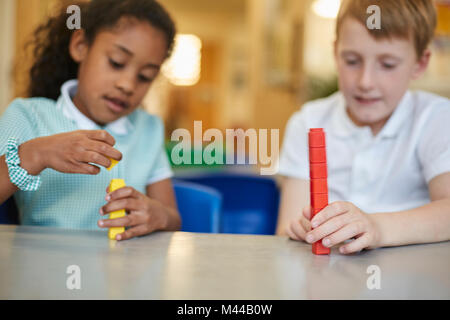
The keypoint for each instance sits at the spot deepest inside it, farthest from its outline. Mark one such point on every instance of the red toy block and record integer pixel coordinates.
(317, 155)
(318, 170)
(318, 179)
(319, 249)
(316, 138)
(318, 186)
(319, 200)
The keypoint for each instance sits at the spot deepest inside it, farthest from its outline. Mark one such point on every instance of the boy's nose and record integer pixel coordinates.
(366, 80)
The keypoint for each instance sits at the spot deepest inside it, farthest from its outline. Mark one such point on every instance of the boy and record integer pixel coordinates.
(388, 148)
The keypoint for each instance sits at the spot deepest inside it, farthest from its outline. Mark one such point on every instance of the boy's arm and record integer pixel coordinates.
(428, 223)
(294, 197)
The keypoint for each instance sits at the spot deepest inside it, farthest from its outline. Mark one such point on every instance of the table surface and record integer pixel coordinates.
(178, 265)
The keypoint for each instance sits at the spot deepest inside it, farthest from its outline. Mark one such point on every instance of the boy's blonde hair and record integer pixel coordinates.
(406, 19)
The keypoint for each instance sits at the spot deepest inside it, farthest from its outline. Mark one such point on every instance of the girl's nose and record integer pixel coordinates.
(126, 84)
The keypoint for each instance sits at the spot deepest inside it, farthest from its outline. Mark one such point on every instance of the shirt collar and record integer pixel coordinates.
(343, 126)
(120, 126)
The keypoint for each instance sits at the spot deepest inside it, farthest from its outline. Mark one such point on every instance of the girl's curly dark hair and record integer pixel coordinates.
(53, 64)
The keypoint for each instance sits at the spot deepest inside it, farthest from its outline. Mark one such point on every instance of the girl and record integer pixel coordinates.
(86, 86)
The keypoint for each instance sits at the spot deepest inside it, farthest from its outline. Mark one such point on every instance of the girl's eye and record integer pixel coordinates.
(144, 78)
(115, 65)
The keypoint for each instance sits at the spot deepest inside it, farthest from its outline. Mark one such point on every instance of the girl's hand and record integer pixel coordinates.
(298, 227)
(144, 214)
(342, 221)
(72, 152)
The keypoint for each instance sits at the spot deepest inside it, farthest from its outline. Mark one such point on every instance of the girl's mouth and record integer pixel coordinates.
(116, 105)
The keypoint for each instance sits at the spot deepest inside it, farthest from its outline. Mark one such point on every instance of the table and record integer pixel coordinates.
(176, 265)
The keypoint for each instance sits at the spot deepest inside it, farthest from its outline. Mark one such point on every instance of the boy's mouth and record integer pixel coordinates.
(116, 105)
(366, 100)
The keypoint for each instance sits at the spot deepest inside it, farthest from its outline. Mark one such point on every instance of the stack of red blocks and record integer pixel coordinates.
(318, 179)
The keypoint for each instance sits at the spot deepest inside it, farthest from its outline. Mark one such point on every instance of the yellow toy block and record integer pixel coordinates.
(113, 186)
(113, 164)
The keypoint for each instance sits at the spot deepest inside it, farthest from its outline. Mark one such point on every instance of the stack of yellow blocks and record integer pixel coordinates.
(113, 186)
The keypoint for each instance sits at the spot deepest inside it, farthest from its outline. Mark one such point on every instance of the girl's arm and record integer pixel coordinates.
(429, 223)
(163, 192)
(294, 197)
(29, 160)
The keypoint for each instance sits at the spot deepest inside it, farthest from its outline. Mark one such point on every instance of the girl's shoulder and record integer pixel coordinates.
(143, 121)
(29, 107)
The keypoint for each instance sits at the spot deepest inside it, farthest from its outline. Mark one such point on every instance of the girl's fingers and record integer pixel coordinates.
(356, 245)
(127, 221)
(137, 231)
(94, 157)
(125, 192)
(128, 204)
(83, 168)
(100, 135)
(104, 149)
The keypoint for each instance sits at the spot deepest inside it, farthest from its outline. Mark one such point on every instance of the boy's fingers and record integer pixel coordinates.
(297, 230)
(335, 231)
(330, 211)
(355, 245)
(307, 212)
(306, 224)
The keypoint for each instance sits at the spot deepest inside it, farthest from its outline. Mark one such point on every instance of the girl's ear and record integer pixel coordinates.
(421, 64)
(78, 46)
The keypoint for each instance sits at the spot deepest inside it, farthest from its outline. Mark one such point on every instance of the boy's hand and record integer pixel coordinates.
(72, 152)
(298, 227)
(144, 214)
(342, 221)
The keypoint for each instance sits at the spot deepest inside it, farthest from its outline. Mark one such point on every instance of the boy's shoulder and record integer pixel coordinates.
(425, 101)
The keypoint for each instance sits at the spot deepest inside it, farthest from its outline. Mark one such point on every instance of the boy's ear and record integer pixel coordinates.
(421, 64)
(78, 46)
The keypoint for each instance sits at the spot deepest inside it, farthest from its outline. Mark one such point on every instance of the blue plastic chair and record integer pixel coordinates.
(250, 203)
(8, 212)
(199, 207)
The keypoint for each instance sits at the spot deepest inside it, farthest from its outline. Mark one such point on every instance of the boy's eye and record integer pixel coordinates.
(388, 66)
(351, 62)
(115, 65)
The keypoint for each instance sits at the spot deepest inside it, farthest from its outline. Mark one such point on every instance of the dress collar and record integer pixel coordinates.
(120, 126)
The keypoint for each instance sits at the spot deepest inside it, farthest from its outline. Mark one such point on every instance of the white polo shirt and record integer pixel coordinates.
(388, 172)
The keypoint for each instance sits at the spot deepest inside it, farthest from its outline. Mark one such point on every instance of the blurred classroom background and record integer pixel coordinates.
(237, 64)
